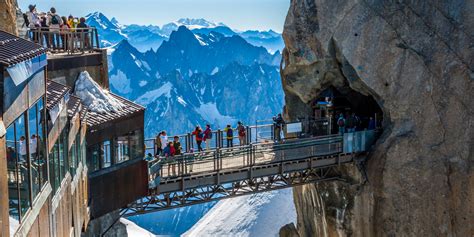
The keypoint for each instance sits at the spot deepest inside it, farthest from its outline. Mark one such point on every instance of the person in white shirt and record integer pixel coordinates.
(34, 147)
(23, 152)
(33, 21)
(164, 139)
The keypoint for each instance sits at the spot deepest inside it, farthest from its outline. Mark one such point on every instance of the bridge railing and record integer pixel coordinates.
(71, 40)
(254, 134)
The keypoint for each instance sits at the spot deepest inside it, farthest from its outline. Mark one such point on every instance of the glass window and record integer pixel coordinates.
(136, 144)
(63, 154)
(122, 151)
(93, 161)
(72, 158)
(33, 145)
(23, 164)
(54, 166)
(106, 156)
(13, 175)
(41, 141)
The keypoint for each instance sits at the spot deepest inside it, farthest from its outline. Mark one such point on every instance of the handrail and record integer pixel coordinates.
(65, 40)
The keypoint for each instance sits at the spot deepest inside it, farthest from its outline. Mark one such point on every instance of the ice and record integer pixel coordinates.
(152, 95)
(133, 230)
(261, 214)
(142, 83)
(211, 114)
(120, 82)
(215, 70)
(94, 97)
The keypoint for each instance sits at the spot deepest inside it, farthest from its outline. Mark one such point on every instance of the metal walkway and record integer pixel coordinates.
(228, 172)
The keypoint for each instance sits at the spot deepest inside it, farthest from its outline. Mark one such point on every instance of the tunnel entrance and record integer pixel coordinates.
(359, 112)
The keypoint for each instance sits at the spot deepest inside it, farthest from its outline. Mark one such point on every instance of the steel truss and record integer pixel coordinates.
(164, 201)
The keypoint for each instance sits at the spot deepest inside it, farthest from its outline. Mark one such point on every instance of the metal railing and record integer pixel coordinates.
(69, 40)
(265, 152)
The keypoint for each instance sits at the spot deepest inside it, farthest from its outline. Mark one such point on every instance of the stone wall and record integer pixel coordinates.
(8, 16)
(416, 58)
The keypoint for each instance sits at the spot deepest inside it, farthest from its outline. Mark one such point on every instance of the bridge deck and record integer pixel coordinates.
(229, 172)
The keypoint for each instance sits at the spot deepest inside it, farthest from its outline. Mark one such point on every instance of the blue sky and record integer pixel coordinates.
(238, 14)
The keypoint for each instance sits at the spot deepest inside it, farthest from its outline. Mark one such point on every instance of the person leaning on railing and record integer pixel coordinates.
(54, 22)
(83, 31)
(65, 33)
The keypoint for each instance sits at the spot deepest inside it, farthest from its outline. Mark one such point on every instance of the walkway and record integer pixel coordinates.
(228, 172)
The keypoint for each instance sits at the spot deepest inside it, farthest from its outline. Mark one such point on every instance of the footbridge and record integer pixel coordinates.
(263, 165)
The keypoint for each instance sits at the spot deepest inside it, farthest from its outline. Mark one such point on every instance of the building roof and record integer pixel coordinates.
(54, 92)
(14, 50)
(127, 110)
(74, 106)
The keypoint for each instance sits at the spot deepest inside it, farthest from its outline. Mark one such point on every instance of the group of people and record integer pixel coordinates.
(53, 30)
(352, 123)
(164, 148)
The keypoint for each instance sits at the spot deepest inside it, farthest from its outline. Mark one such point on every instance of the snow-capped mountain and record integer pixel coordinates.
(150, 36)
(198, 79)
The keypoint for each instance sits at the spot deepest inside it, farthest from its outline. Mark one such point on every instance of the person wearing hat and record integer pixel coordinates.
(32, 21)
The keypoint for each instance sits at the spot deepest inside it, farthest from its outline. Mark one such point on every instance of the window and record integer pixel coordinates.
(136, 144)
(122, 151)
(107, 160)
(73, 158)
(95, 157)
(18, 169)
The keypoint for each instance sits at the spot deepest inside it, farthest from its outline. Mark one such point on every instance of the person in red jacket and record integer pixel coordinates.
(208, 136)
(199, 137)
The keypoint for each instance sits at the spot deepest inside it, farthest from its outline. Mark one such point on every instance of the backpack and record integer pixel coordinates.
(340, 122)
(54, 20)
(200, 135)
(230, 133)
(209, 135)
(25, 18)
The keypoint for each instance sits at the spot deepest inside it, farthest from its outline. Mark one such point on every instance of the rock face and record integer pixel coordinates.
(8, 16)
(416, 59)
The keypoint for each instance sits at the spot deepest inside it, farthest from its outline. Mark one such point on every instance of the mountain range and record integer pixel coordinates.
(145, 37)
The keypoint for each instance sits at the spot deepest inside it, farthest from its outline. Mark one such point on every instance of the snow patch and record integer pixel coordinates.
(133, 230)
(211, 114)
(215, 70)
(261, 214)
(201, 41)
(181, 101)
(261, 70)
(94, 97)
(152, 95)
(142, 83)
(120, 82)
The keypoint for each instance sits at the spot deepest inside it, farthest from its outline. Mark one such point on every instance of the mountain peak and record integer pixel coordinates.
(193, 23)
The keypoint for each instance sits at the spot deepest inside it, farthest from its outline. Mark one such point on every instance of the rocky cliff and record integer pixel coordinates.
(8, 16)
(416, 59)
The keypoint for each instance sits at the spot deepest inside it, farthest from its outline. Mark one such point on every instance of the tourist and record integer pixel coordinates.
(199, 135)
(23, 152)
(177, 146)
(33, 147)
(168, 151)
(278, 123)
(208, 136)
(32, 21)
(357, 122)
(341, 123)
(158, 147)
(371, 124)
(350, 123)
(163, 139)
(71, 21)
(54, 23)
(45, 31)
(83, 32)
(242, 133)
(65, 29)
(11, 154)
(229, 135)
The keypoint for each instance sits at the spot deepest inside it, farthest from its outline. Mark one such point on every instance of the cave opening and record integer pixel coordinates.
(360, 112)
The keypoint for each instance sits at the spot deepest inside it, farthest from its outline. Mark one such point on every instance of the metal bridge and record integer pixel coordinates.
(265, 165)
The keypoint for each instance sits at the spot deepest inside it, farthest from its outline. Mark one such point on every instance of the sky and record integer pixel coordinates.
(237, 14)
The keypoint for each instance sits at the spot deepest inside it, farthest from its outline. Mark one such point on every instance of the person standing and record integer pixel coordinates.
(371, 124)
(65, 37)
(208, 136)
(83, 32)
(32, 21)
(350, 123)
(229, 135)
(164, 139)
(34, 147)
(177, 146)
(278, 123)
(54, 23)
(158, 147)
(242, 133)
(199, 135)
(23, 152)
(341, 123)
